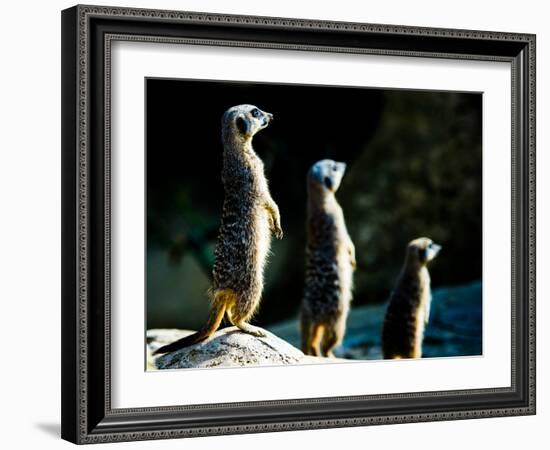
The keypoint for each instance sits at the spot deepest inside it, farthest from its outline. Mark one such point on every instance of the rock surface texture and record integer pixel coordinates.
(228, 347)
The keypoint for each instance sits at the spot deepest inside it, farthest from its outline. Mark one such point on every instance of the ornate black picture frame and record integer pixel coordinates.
(87, 34)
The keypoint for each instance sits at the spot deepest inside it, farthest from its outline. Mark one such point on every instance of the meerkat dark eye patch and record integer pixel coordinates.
(328, 182)
(242, 125)
(423, 254)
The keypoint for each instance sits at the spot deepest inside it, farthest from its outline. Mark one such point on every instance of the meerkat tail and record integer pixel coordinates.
(213, 323)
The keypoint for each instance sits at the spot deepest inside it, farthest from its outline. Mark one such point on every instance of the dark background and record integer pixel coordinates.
(414, 169)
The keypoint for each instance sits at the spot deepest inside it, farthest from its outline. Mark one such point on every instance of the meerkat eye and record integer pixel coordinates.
(335, 168)
(256, 113)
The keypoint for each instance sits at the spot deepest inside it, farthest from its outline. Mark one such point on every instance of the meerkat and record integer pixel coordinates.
(330, 262)
(408, 310)
(249, 217)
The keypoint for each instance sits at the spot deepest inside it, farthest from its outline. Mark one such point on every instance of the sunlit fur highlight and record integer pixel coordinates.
(249, 217)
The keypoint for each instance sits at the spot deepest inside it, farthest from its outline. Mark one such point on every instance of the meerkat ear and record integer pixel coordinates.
(242, 124)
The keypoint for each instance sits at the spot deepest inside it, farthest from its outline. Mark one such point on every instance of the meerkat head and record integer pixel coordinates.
(245, 120)
(422, 250)
(327, 174)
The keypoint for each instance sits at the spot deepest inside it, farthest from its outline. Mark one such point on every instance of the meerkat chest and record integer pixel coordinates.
(340, 235)
(244, 187)
(424, 301)
(255, 169)
(329, 243)
(424, 286)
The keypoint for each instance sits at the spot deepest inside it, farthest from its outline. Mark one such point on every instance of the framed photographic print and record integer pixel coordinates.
(282, 224)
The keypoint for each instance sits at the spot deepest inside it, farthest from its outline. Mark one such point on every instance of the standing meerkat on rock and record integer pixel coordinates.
(249, 217)
(330, 262)
(409, 307)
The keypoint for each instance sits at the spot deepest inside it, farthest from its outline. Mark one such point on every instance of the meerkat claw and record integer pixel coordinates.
(251, 329)
(259, 333)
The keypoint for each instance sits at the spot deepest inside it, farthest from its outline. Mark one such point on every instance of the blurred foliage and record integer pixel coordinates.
(419, 176)
(414, 169)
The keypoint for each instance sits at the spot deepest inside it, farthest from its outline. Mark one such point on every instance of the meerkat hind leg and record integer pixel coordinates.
(330, 340)
(333, 336)
(251, 329)
(416, 352)
(313, 340)
(242, 325)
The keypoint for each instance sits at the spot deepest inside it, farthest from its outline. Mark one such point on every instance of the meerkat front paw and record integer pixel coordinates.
(277, 230)
(352, 259)
(275, 222)
(274, 219)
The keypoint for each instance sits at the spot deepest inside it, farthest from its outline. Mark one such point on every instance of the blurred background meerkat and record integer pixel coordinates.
(409, 307)
(330, 262)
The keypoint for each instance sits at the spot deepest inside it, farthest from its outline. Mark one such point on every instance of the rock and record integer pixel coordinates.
(228, 347)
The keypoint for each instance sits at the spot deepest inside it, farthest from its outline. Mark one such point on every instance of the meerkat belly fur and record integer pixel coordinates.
(249, 217)
(330, 262)
(408, 310)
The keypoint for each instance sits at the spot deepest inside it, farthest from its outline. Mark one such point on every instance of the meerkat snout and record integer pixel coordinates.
(327, 174)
